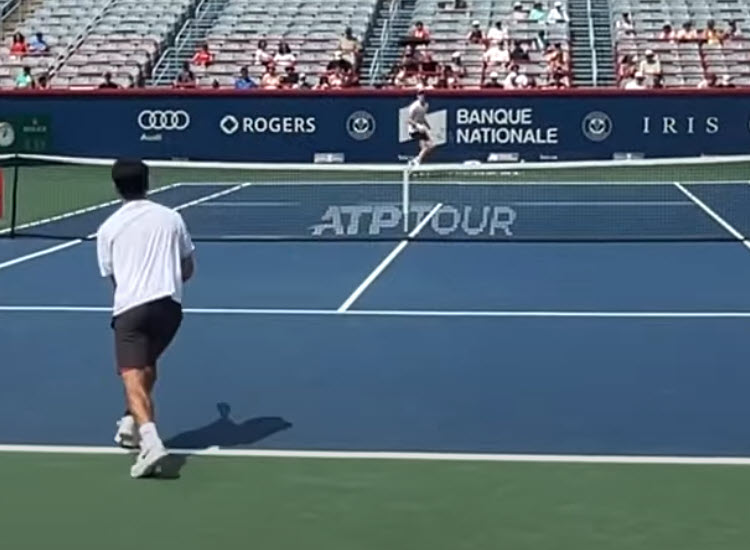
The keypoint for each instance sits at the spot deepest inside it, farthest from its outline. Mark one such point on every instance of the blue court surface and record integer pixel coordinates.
(475, 347)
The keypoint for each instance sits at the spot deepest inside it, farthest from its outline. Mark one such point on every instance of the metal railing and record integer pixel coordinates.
(592, 45)
(385, 36)
(6, 10)
(171, 56)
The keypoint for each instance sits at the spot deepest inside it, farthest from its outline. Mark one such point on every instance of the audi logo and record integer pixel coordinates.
(164, 120)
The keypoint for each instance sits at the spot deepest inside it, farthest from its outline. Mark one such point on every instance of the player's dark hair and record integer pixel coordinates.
(131, 178)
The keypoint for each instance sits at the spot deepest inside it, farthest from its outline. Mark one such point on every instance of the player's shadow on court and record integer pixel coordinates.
(223, 432)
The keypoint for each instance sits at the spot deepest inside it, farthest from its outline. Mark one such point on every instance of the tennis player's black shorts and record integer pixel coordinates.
(419, 136)
(144, 332)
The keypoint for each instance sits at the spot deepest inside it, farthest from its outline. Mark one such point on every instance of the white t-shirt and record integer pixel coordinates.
(142, 246)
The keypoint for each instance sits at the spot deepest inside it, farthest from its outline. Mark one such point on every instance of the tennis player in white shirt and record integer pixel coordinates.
(147, 252)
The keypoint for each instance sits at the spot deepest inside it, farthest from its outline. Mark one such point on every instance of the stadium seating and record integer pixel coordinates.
(91, 37)
(449, 30)
(685, 64)
(311, 28)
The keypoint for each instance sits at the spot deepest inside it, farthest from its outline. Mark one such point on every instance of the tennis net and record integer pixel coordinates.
(703, 199)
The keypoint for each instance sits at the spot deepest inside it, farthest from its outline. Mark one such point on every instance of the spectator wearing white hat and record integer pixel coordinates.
(497, 33)
(510, 82)
(650, 66)
(519, 14)
(557, 14)
(493, 81)
(537, 13)
(475, 36)
(638, 83)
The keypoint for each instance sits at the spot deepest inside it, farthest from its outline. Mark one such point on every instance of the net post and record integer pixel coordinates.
(405, 197)
(14, 199)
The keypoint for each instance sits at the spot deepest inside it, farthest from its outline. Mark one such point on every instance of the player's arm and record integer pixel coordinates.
(104, 257)
(187, 251)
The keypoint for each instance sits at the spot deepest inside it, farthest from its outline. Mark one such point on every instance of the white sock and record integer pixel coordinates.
(149, 436)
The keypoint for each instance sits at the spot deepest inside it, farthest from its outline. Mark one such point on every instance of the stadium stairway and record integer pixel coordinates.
(390, 49)
(188, 40)
(585, 16)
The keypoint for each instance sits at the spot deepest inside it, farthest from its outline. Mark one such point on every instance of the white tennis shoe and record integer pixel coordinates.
(147, 461)
(127, 435)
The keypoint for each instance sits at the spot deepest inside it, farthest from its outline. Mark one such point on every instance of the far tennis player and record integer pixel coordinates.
(419, 128)
(147, 252)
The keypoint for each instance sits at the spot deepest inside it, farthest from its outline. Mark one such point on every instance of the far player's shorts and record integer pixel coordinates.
(144, 332)
(419, 136)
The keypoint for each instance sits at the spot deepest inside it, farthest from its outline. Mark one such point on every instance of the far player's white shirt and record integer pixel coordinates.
(142, 246)
(417, 117)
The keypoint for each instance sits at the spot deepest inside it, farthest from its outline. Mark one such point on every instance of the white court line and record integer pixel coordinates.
(718, 219)
(387, 260)
(236, 204)
(80, 211)
(395, 455)
(409, 313)
(74, 242)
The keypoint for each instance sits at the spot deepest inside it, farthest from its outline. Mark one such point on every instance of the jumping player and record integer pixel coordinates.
(419, 128)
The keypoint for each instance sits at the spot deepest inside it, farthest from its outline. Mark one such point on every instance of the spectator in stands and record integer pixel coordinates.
(510, 79)
(338, 79)
(709, 81)
(687, 33)
(270, 80)
(625, 25)
(244, 82)
(650, 66)
(37, 45)
(411, 59)
(42, 82)
(726, 82)
(24, 78)
(558, 79)
(185, 78)
(497, 33)
(557, 14)
(323, 83)
(493, 81)
(475, 36)
(733, 32)
(290, 77)
(18, 46)
(339, 61)
(556, 57)
(262, 55)
(419, 34)
(460, 4)
(626, 68)
(284, 57)
(712, 35)
(519, 14)
(521, 52)
(540, 42)
(108, 83)
(203, 58)
(667, 33)
(457, 65)
(497, 55)
(637, 83)
(350, 47)
(447, 79)
(523, 80)
(131, 82)
(303, 83)
(537, 13)
(658, 82)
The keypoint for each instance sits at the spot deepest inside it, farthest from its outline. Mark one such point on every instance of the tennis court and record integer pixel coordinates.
(560, 366)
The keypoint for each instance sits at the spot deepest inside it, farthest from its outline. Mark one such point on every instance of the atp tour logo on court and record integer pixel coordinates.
(449, 220)
(360, 125)
(597, 126)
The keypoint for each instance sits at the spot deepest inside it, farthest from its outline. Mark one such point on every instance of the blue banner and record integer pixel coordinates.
(367, 126)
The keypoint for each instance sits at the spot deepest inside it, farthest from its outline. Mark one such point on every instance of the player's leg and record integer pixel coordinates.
(426, 146)
(133, 344)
